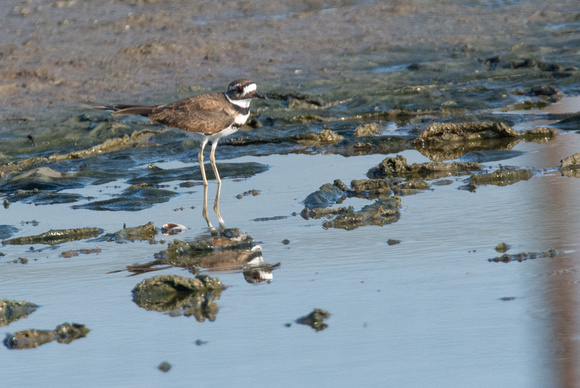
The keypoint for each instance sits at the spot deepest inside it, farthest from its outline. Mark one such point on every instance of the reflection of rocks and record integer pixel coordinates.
(26, 339)
(501, 177)
(55, 236)
(439, 151)
(180, 296)
(539, 134)
(11, 310)
(315, 319)
(444, 141)
(398, 167)
(7, 231)
(570, 166)
(569, 123)
(76, 252)
(506, 257)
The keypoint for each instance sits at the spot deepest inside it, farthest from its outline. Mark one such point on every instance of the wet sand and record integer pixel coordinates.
(61, 55)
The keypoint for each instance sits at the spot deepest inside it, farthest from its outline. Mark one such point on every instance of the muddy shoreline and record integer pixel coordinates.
(67, 55)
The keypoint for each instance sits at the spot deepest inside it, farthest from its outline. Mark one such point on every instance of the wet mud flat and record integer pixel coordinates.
(408, 191)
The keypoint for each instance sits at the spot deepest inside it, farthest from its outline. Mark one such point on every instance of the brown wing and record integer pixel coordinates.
(206, 114)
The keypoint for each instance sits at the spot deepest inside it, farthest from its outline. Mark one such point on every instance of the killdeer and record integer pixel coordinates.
(206, 116)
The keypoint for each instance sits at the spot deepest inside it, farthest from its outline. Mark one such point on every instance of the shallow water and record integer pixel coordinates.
(427, 303)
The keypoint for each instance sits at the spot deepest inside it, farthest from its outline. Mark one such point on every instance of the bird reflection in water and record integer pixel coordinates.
(249, 261)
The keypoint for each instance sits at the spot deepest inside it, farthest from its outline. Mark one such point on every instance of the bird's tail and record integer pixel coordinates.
(121, 109)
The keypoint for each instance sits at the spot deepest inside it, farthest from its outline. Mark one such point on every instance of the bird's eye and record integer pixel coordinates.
(239, 89)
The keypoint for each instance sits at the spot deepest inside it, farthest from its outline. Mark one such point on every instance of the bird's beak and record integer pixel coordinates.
(259, 95)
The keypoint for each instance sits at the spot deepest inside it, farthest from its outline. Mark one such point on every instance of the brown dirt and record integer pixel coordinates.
(75, 52)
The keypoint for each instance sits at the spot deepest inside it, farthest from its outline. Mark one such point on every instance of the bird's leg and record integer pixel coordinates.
(212, 160)
(200, 160)
(204, 211)
(205, 185)
(216, 204)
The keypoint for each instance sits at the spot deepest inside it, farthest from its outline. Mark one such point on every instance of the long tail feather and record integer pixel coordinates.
(122, 109)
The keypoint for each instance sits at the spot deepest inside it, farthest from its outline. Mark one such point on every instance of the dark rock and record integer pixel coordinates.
(315, 319)
(27, 339)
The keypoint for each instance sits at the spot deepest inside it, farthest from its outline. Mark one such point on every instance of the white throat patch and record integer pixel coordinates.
(241, 103)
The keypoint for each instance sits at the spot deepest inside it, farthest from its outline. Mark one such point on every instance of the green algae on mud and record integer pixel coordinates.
(56, 236)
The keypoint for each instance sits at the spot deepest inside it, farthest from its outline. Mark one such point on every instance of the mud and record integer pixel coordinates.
(32, 338)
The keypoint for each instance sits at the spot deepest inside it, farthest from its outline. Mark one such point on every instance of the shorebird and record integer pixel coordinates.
(208, 117)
